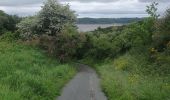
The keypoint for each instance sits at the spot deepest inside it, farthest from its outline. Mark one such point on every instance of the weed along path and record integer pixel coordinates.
(84, 86)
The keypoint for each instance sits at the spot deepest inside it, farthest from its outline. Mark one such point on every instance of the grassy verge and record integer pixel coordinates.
(129, 77)
(119, 85)
(27, 74)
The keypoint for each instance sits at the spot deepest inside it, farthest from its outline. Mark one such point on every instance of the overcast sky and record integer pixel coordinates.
(87, 8)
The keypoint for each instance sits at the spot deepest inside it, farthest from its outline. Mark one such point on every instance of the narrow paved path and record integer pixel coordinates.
(84, 86)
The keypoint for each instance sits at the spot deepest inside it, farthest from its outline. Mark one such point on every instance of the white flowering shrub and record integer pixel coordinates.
(54, 17)
(27, 27)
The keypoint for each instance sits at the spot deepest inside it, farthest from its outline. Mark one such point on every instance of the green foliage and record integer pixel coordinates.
(113, 41)
(139, 33)
(133, 76)
(123, 63)
(28, 74)
(55, 27)
(3, 18)
(53, 17)
(162, 35)
(101, 44)
(140, 69)
(152, 10)
(64, 47)
(122, 85)
(9, 36)
(28, 27)
(166, 21)
(51, 20)
(141, 52)
(8, 22)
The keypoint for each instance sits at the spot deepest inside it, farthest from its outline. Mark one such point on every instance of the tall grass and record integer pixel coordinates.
(27, 74)
(124, 79)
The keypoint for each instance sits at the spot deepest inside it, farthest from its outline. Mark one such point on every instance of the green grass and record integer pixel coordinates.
(28, 74)
(124, 79)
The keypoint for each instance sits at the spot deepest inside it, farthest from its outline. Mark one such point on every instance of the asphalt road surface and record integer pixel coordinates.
(84, 86)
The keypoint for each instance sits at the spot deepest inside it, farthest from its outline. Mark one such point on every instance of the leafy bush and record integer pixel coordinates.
(123, 63)
(28, 27)
(55, 27)
(64, 46)
(9, 36)
(162, 36)
(102, 44)
(8, 22)
(54, 17)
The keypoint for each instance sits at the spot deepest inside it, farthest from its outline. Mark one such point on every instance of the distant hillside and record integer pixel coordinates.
(106, 20)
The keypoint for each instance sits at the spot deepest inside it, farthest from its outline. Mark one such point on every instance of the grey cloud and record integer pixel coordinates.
(85, 8)
(19, 2)
(154, 0)
(89, 0)
(30, 2)
(21, 11)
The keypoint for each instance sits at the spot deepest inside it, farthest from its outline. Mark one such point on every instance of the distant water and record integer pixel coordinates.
(92, 27)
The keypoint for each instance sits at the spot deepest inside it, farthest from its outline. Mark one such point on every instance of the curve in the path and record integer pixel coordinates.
(84, 86)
